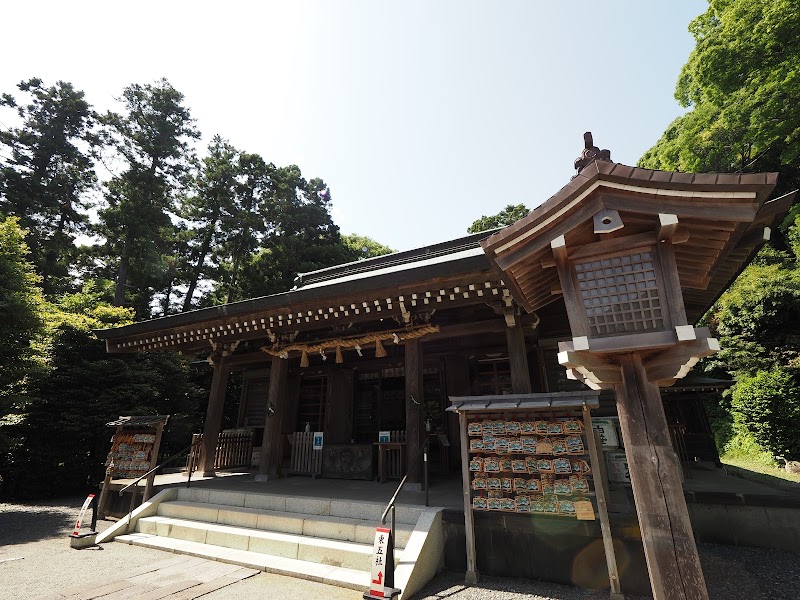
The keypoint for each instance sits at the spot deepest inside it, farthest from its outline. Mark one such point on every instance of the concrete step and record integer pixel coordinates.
(351, 509)
(336, 553)
(321, 526)
(332, 575)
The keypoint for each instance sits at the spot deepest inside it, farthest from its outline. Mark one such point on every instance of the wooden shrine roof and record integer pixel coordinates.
(437, 276)
(725, 216)
(547, 400)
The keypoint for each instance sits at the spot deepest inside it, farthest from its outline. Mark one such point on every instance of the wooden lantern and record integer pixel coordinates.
(637, 255)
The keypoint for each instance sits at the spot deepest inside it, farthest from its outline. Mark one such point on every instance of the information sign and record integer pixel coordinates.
(607, 431)
(377, 585)
(317, 444)
(384, 437)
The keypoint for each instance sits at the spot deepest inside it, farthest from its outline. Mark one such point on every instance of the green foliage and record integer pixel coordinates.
(49, 174)
(743, 84)
(510, 214)
(59, 440)
(21, 309)
(152, 138)
(758, 320)
(362, 246)
(767, 406)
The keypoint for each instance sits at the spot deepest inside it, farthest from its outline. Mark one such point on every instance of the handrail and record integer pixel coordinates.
(391, 502)
(389, 576)
(166, 462)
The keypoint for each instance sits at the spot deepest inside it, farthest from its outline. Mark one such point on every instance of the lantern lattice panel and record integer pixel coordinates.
(620, 294)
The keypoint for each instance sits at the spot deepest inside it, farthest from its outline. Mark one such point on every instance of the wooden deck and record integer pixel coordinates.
(177, 578)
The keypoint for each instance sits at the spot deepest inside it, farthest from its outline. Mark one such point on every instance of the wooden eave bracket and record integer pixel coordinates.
(595, 363)
(676, 362)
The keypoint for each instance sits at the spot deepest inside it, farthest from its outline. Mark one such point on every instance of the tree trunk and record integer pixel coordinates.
(187, 301)
(122, 276)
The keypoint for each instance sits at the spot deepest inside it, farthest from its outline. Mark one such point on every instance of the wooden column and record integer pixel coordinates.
(669, 545)
(213, 423)
(271, 446)
(518, 359)
(415, 427)
(148, 490)
(471, 576)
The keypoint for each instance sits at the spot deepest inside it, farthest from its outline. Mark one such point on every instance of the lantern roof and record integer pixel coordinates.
(724, 218)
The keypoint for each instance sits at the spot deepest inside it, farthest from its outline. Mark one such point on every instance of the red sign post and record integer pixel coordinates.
(382, 572)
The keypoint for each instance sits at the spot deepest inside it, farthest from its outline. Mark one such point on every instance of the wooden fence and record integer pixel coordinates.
(305, 460)
(234, 449)
(395, 462)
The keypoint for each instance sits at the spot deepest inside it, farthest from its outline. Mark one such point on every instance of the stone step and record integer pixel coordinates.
(321, 526)
(351, 509)
(287, 545)
(332, 575)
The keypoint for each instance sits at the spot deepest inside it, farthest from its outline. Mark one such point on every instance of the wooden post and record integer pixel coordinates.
(101, 504)
(148, 490)
(518, 359)
(602, 505)
(213, 424)
(415, 413)
(471, 577)
(271, 447)
(669, 545)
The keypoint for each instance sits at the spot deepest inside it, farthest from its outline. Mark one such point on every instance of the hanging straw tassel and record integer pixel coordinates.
(339, 359)
(380, 351)
(304, 359)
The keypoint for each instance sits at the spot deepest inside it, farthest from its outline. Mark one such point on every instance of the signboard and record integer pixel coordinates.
(317, 443)
(384, 437)
(377, 586)
(618, 468)
(584, 511)
(608, 432)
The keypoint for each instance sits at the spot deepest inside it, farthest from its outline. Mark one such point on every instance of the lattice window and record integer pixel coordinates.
(620, 294)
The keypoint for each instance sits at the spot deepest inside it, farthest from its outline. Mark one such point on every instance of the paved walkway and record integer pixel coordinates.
(177, 578)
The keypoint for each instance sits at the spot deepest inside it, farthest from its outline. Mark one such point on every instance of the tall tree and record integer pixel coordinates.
(743, 85)
(152, 138)
(245, 224)
(216, 185)
(510, 214)
(50, 171)
(302, 236)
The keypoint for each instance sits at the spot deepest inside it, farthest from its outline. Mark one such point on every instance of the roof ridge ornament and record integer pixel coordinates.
(590, 154)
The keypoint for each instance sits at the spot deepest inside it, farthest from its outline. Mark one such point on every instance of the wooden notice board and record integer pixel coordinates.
(134, 451)
(531, 454)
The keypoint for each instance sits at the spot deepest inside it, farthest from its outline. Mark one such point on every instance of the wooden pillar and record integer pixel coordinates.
(471, 576)
(669, 545)
(148, 490)
(518, 359)
(271, 446)
(415, 414)
(213, 423)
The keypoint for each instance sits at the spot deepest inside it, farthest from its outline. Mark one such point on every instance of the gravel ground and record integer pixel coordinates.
(35, 560)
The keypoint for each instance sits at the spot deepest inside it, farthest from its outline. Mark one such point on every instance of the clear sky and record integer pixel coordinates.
(420, 116)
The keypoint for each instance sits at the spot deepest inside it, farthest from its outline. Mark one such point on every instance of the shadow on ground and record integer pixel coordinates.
(24, 523)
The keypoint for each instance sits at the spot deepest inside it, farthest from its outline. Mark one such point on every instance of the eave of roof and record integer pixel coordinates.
(746, 194)
(452, 258)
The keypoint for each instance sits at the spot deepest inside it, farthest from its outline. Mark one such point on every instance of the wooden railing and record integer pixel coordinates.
(396, 462)
(234, 449)
(305, 460)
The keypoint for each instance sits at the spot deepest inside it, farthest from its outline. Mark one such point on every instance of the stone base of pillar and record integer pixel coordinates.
(260, 477)
(208, 473)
